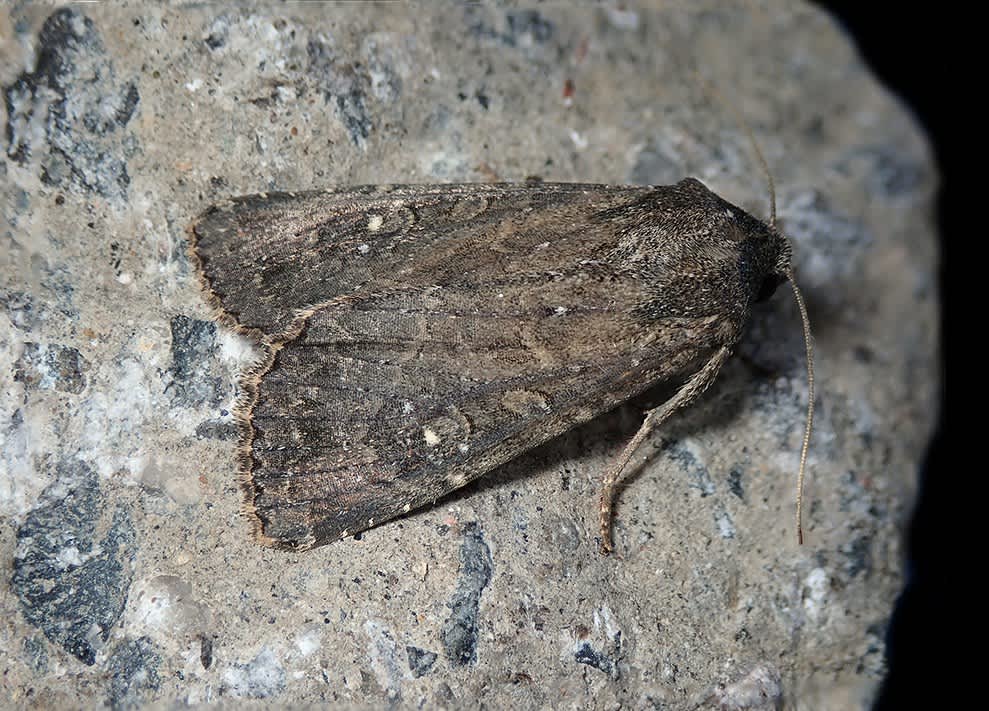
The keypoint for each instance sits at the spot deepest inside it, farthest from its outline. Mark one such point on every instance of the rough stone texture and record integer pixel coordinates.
(130, 578)
(459, 631)
(71, 567)
(132, 671)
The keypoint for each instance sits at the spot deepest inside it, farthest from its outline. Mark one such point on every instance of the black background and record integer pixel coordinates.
(911, 53)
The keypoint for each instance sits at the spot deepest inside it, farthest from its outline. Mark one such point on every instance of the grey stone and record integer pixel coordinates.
(460, 630)
(51, 367)
(206, 651)
(193, 344)
(121, 122)
(217, 429)
(586, 654)
(35, 649)
(133, 670)
(421, 661)
(259, 678)
(72, 566)
(74, 97)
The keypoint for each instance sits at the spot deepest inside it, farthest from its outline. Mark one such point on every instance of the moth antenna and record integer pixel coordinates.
(808, 345)
(765, 171)
(716, 95)
(809, 348)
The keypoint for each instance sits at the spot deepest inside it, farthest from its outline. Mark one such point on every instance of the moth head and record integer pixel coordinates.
(777, 258)
(763, 252)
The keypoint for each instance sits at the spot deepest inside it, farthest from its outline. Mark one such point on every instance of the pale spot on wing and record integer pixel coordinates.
(457, 480)
(432, 439)
(468, 207)
(374, 223)
(524, 402)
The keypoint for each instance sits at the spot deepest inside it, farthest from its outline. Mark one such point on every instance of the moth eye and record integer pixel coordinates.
(768, 286)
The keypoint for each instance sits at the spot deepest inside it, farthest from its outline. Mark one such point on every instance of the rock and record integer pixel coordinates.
(51, 367)
(122, 123)
(72, 565)
(260, 678)
(133, 671)
(421, 661)
(459, 634)
(75, 101)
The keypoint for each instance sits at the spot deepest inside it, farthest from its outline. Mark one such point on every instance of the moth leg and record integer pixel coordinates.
(689, 392)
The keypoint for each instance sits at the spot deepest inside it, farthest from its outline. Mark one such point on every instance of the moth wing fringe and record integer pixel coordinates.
(249, 381)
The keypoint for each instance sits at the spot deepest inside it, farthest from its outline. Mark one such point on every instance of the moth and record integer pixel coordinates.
(418, 336)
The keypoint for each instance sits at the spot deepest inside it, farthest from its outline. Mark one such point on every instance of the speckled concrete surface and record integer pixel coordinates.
(129, 577)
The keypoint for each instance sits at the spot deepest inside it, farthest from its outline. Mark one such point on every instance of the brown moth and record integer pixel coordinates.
(418, 336)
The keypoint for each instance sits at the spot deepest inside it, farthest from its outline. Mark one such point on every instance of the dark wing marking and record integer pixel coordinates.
(264, 258)
(384, 405)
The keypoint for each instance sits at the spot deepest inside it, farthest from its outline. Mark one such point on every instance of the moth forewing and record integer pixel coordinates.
(417, 337)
